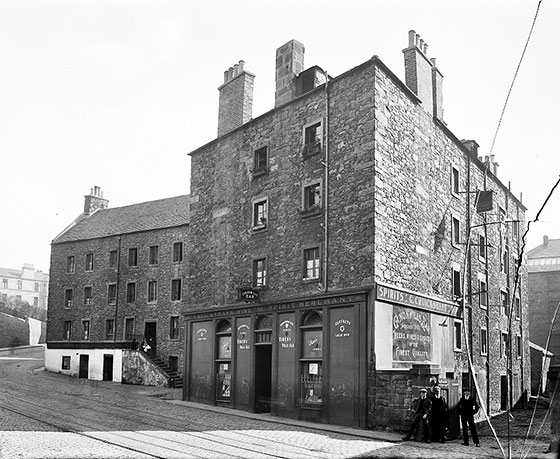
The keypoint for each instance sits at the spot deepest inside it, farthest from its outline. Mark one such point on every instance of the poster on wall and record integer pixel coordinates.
(412, 341)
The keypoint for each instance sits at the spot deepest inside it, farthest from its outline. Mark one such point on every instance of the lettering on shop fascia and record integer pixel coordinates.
(318, 302)
(394, 295)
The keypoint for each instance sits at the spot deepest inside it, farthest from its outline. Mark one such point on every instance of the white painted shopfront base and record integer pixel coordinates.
(54, 358)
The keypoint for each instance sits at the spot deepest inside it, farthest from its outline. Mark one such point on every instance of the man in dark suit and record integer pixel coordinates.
(421, 413)
(438, 415)
(467, 409)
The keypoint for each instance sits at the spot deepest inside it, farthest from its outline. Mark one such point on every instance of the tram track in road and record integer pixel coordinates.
(148, 432)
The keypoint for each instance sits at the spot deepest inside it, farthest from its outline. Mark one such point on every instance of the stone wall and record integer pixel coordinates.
(137, 369)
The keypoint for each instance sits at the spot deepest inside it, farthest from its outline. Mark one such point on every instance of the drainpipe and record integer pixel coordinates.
(117, 292)
(326, 214)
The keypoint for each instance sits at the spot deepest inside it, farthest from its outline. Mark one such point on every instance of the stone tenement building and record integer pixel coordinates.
(348, 249)
(543, 265)
(117, 277)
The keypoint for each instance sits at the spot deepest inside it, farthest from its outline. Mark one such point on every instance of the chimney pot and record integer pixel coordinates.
(411, 38)
(545, 241)
(425, 48)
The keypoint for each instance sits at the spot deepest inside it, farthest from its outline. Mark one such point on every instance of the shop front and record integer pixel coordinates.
(303, 359)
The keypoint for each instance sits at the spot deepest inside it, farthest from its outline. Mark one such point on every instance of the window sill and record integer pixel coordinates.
(260, 172)
(311, 212)
(310, 280)
(259, 228)
(311, 150)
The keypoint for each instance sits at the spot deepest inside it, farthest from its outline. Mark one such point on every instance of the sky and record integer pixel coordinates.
(116, 93)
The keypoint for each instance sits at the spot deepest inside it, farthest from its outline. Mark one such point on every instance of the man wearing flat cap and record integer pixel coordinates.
(421, 413)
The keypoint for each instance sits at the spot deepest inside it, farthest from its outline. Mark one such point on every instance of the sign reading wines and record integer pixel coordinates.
(412, 341)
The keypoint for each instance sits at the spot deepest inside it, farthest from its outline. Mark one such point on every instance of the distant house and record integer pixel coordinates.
(23, 304)
(117, 278)
(543, 264)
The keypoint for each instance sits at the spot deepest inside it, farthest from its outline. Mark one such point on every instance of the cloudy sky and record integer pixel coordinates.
(115, 93)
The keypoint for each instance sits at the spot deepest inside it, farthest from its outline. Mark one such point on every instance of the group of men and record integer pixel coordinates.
(432, 413)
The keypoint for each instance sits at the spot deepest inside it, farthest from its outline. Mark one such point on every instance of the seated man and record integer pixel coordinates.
(421, 413)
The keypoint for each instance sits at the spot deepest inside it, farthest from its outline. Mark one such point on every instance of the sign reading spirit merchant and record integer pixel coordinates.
(412, 341)
(406, 298)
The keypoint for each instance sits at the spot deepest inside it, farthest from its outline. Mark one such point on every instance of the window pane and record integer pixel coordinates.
(177, 252)
(312, 343)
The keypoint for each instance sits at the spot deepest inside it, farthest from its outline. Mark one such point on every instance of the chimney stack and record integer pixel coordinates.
(236, 98)
(545, 241)
(289, 63)
(422, 76)
(94, 201)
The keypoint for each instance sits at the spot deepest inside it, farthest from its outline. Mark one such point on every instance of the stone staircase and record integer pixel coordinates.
(173, 377)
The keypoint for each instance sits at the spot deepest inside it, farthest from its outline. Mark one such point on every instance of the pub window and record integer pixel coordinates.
(176, 290)
(312, 361)
(311, 263)
(70, 264)
(113, 257)
(68, 298)
(457, 335)
(88, 295)
(85, 329)
(260, 214)
(131, 292)
(260, 161)
(177, 252)
(111, 293)
(483, 341)
(312, 139)
(109, 329)
(454, 181)
(129, 328)
(174, 327)
(133, 256)
(152, 291)
(223, 361)
(67, 330)
(65, 362)
(263, 330)
(153, 255)
(89, 262)
(456, 284)
(259, 272)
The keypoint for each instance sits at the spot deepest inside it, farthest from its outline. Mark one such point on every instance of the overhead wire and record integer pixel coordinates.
(515, 76)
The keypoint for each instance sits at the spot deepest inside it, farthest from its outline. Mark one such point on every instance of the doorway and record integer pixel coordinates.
(503, 392)
(84, 366)
(107, 367)
(263, 377)
(150, 335)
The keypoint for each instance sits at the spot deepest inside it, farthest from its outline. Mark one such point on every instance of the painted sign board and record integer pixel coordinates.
(412, 337)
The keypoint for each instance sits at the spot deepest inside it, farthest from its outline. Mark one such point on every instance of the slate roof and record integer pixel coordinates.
(543, 259)
(145, 216)
(551, 250)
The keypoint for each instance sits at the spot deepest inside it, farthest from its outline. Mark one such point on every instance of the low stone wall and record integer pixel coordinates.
(137, 369)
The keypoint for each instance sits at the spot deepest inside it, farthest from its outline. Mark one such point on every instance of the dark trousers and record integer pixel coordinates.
(415, 421)
(438, 428)
(468, 423)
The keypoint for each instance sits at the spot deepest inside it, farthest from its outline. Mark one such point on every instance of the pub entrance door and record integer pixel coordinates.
(263, 377)
(107, 367)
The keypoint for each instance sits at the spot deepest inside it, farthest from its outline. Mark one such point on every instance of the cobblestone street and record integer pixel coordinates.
(45, 415)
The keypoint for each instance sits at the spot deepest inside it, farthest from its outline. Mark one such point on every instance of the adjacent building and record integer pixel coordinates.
(543, 265)
(118, 279)
(23, 305)
(348, 249)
